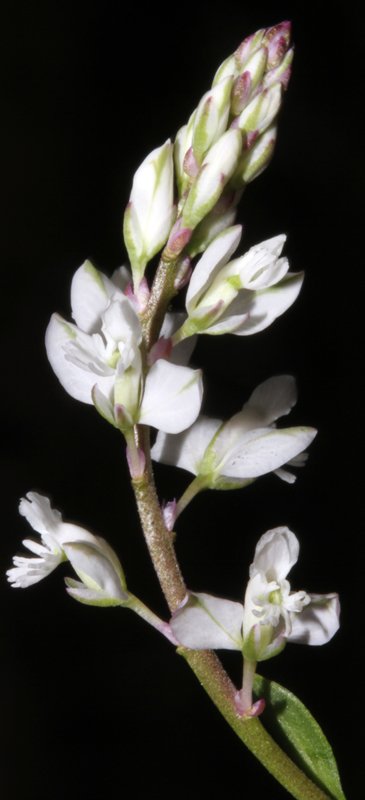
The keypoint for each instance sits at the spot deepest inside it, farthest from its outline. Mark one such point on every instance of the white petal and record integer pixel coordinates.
(186, 449)
(63, 342)
(181, 353)
(265, 306)
(38, 512)
(91, 597)
(121, 321)
(208, 622)
(273, 398)
(27, 571)
(103, 405)
(276, 553)
(172, 397)
(262, 450)
(91, 291)
(318, 622)
(94, 569)
(216, 255)
(121, 277)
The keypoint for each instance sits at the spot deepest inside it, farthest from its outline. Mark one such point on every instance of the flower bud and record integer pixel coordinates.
(281, 73)
(211, 117)
(217, 168)
(150, 211)
(182, 145)
(255, 160)
(260, 112)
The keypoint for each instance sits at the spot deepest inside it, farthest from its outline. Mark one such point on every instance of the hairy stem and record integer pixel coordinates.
(205, 664)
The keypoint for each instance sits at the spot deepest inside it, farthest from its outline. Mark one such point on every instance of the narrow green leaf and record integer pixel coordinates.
(304, 738)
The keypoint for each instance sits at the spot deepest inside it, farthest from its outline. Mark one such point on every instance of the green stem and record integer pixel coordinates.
(196, 486)
(135, 604)
(216, 683)
(205, 664)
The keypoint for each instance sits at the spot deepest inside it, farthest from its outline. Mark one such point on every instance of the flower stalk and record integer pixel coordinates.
(204, 663)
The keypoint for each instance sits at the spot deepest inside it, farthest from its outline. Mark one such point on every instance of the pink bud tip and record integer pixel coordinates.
(277, 40)
(183, 274)
(179, 237)
(190, 165)
(161, 349)
(253, 711)
(169, 514)
(241, 92)
(136, 462)
(138, 296)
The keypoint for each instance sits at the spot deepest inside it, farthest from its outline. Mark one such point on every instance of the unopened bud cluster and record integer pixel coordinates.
(227, 142)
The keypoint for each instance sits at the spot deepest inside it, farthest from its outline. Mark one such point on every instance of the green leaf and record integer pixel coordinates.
(303, 737)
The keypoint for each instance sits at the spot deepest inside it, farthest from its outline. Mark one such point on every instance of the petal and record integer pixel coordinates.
(91, 597)
(186, 449)
(121, 277)
(27, 571)
(76, 376)
(121, 321)
(262, 450)
(172, 397)
(38, 512)
(276, 553)
(91, 291)
(273, 398)
(207, 622)
(318, 622)
(216, 255)
(181, 353)
(94, 569)
(265, 306)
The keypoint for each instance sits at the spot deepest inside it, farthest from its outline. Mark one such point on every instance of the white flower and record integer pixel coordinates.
(226, 455)
(98, 360)
(94, 561)
(271, 615)
(242, 296)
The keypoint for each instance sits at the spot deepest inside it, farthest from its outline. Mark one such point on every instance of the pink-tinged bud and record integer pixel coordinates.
(282, 73)
(161, 349)
(277, 40)
(253, 711)
(123, 418)
(183, 273)
(179, 237)
(256, 159)
(256, 67)
(241, 92)
(140, 296)
(248, 47)
(190, 164)
(169, 514)
(136, 462)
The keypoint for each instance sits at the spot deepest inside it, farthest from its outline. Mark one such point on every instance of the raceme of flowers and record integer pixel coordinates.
(228, 455)
(102, 580)
(271, 614)
(98, 360)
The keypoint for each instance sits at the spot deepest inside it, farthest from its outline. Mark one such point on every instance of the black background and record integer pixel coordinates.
(91, 700)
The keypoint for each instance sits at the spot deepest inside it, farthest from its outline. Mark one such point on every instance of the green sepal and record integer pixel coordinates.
(300, 735)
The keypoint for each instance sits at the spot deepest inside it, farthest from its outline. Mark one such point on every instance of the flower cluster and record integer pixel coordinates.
(127, 354)
(271, 613)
